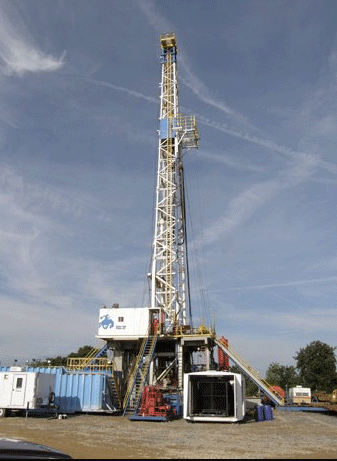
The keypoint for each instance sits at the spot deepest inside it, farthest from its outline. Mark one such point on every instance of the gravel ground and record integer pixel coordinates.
(288, 435)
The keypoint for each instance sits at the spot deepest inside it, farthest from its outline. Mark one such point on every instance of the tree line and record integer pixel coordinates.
(61, 361)
(315, 368)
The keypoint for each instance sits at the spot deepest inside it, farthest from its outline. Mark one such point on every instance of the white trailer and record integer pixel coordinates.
(21, 390)
(214, 396)
(299, 394)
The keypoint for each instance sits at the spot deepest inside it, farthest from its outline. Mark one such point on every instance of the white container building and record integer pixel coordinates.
(300, 395)
(21, 390)
(214, 396)
(123, 323)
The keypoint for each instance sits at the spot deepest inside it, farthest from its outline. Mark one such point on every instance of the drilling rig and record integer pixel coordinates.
(155, 345)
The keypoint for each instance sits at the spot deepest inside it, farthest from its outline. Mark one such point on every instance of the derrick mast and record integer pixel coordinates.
(176, 132)
(143, 345)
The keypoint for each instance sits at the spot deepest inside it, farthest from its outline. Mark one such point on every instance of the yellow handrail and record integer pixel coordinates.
(79, 363)
(139, 358)
(135, 368)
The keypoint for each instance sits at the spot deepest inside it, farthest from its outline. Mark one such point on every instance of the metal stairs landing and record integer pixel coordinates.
(250, 372)
(138, 377)
(93, 361)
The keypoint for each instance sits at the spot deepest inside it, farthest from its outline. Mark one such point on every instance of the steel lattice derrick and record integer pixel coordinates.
(168, 274)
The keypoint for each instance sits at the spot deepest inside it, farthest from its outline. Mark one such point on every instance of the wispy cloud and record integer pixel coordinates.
(19, 55)
(247, 136)
(294, 283)
(40, 198)
(136, 94)
(314, 158)
(324, 125)
(222, 126)
(245, 204)
(301, 167)
(311, 320)
(48, 268)
(204, 94)
(60, 333)
(159, 23)
(229, 161)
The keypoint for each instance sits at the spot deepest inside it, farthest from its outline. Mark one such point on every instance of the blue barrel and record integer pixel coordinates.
(268, 412)
(258, 413)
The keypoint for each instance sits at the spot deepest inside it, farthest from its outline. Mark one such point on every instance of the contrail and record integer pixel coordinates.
(160, 23)
(121, 89)
(285, 284)
(221, 126)
(244, 135)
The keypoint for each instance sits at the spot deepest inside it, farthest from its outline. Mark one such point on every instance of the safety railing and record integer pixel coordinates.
(251, 372)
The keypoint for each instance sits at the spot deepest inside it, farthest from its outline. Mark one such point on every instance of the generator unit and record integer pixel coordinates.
(22, 390)
(214, 396)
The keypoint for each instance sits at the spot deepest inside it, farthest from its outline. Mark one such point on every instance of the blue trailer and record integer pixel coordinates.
(81, 392)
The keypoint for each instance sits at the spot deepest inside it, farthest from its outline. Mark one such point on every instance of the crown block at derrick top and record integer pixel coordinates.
(168, 40)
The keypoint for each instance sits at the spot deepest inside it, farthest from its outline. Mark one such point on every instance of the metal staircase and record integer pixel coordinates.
(112, 393)
(138, 377)
(250, 372)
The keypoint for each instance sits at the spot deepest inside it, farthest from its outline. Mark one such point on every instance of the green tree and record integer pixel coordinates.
(82, 351)
(58, 361)
(316, 364)
(281, 375)
(61, 361)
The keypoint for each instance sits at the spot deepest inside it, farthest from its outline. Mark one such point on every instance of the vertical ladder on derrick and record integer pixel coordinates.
(141, 369)
(180, 365)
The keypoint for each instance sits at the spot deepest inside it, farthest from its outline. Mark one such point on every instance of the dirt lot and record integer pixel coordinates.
(288, 435)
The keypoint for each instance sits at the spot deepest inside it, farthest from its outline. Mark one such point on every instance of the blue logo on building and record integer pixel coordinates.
(105, 322)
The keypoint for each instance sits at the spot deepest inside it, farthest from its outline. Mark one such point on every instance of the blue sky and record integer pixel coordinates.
(79, 105)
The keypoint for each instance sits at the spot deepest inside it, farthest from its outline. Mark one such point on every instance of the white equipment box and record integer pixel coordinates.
(214, 396)
(127, 323)
(21, 390)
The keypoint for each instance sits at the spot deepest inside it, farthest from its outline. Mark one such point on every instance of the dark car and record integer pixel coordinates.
(16, 449)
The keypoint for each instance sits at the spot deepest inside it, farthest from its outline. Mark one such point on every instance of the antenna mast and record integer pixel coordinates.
(176, 132)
